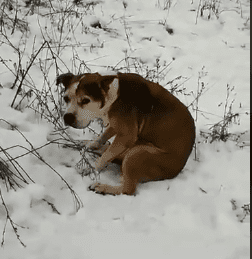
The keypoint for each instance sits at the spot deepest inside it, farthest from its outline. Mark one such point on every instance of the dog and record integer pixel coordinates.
(154, 132)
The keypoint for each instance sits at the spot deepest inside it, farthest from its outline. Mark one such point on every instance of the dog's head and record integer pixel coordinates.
(87, 97)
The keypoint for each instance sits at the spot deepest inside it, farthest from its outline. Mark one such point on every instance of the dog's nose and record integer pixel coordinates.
(69, 119)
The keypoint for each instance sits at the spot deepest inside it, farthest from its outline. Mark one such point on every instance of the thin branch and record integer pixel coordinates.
(25, 73)
(13, 224)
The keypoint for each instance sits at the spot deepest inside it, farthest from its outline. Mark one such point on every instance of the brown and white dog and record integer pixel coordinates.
(154, 132)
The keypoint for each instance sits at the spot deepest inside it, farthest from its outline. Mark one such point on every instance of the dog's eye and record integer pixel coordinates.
(66, 99)
(85, 101)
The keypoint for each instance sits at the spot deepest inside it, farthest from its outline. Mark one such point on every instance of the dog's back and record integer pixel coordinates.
(168, 124)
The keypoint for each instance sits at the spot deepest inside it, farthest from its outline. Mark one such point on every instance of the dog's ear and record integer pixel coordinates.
(64, 79)
(106, 82)
(110, 85)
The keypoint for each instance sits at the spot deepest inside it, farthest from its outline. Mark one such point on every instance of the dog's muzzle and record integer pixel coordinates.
(69, 119)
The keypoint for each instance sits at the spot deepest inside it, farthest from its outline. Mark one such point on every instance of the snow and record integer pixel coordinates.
(198, 214)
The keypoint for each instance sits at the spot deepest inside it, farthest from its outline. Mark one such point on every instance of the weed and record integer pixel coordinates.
(246, 211)
(208, 8)
(164, 4)
(9, 18)
(12, 223)
(220, 130)
(44, 100)
(13, 174)
(242, 212)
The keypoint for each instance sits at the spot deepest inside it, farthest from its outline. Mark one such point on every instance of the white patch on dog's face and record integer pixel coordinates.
(85, 109)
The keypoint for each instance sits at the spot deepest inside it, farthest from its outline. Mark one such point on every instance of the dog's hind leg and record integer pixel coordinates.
(142, 163)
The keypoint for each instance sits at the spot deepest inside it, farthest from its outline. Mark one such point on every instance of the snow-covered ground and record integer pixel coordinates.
(193, 48)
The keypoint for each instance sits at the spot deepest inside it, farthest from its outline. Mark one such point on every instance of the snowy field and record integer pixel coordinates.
(199, 50)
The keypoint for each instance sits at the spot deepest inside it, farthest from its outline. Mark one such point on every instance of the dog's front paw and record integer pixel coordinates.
(99, 188)
(105, 189)
(93, 145)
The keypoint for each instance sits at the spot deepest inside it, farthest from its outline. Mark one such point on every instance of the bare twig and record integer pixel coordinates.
(33, 151)
(12, 223)
(26, 71)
